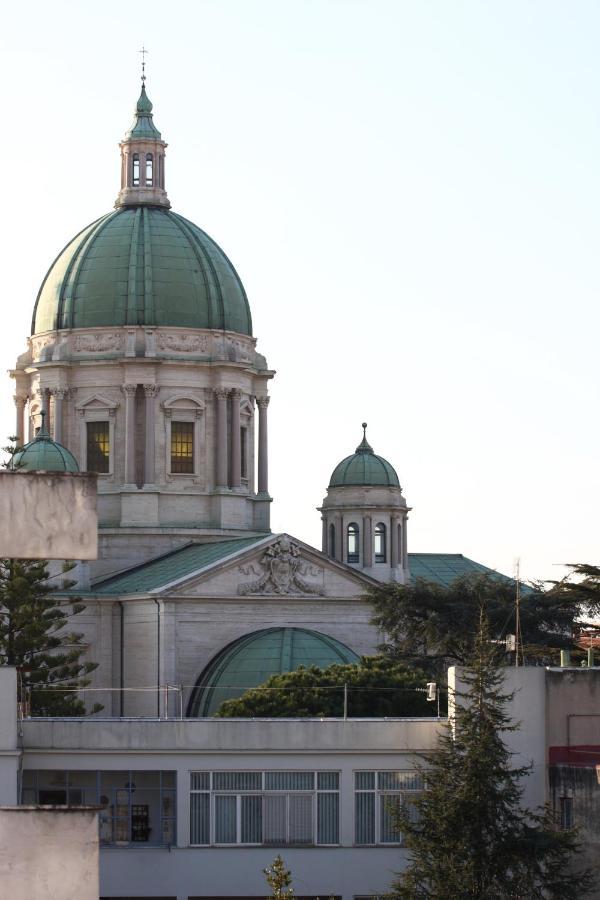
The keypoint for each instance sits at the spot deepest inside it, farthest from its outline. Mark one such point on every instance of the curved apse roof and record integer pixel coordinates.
(252, 659)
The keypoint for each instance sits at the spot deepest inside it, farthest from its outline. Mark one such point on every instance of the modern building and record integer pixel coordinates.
(143, 363)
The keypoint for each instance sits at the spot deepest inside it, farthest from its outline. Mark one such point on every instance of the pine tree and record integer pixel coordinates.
(279, 880)
(470, 837)
(33, 637)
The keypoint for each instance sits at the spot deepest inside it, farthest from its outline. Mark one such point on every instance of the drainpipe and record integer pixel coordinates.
(158, 659)
(121, 659)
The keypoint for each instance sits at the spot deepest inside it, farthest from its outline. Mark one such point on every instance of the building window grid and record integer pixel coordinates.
(211, 787)
(376, 794)
(182, 448)
(116, 821)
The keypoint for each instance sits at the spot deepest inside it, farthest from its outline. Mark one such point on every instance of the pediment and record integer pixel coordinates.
(96, 401)
(278, 568)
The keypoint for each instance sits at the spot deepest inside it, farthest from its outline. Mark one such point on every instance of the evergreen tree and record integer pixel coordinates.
(279, 880)
(35, 639)
(431, 626)
(376, 686)
(470, 837)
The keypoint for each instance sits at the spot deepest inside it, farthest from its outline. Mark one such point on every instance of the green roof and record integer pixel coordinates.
(42, 454)
(444, 568)
(173, 566)
(364, 468)
(252, 659)
(143, 127)
(142, 265)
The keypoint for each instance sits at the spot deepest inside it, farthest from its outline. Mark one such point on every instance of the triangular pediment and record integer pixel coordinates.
(276, 567)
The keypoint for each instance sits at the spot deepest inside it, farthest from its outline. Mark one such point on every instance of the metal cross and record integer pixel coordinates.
(143, 51)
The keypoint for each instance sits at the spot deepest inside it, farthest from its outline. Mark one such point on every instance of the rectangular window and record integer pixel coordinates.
(269, 808)
(244, 451)
(566, 813)
(138, 807)
(377, 798)
(182, 448)
(98, 447)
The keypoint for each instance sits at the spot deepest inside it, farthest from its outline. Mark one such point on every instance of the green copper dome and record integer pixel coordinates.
(142, 265)
(364, 468)
(143, 126)
(42, 454)
(252, 659)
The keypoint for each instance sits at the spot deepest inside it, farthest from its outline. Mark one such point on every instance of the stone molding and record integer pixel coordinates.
(283, 572)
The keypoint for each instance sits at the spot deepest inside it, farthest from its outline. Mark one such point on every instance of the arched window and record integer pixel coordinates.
(136, 170)
(380, 543)
(352, 547)
(332, 541)
(149, 170)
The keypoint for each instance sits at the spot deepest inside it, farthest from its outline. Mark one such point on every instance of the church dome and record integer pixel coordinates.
(252, 659)
(42, 454)
(142, 265)
(364, 468)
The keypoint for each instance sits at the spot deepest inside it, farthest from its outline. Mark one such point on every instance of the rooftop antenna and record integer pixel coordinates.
(518, 634)
(143, 51)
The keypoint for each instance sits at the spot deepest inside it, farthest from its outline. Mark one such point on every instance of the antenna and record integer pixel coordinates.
(143, 51)
(518, 634)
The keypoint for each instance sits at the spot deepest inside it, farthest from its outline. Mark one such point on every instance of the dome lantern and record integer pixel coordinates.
(143, 159)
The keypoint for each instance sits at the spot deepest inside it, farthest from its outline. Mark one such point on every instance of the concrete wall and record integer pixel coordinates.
(52, 515)
(49, 853)
(9, 753)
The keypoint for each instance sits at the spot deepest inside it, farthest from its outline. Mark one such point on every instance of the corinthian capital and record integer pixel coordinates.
(263, 402)
(129, 389)
(151, 390)
(221, 393)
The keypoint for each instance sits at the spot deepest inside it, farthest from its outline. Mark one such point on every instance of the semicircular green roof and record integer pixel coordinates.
(142, 265)
(364, 468)
(252, 659)
(42, 454)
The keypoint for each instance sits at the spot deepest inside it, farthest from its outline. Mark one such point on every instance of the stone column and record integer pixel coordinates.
(222, 454)
(263, 446)
(367, 542)
(404, 545)
(339, 538)
(394, 542)
(129, 391)
(324, 536)
(20, 402)
(46, 409)
(236, 442)
(60, 395)
(151, 392)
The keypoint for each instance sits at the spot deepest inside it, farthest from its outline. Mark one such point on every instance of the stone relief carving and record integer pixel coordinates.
(238, 351)
(182, 343)
(97, 343)
(283, 572)
(38, 345)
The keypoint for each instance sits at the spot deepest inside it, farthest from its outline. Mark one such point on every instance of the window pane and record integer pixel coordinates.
(251, 820)
(364, 781)
(289, 781)
(237, 781)
(365, 818)
(225, 820)
(328, 818)
(244, 451)
(301, 818)
(380, 542)
(148, 169)
(328, 781)
(389, 805)
(136, 170)
(274, 812)
(182, 448)
(98, 447)
(200, 781)
(200, 819)
(353, 555)
(407, 781)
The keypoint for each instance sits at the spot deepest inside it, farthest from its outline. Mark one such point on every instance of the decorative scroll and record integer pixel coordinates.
(282, 572)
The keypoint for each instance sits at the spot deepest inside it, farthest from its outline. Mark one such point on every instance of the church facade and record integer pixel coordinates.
(142, 366)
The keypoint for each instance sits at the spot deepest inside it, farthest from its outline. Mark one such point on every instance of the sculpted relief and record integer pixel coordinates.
(98, 343)
(281, 572)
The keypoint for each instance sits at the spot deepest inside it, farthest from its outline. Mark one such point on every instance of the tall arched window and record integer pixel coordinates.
(332, 541)
(352, 543)
(149, 170)
(136, 170)
(380, 543)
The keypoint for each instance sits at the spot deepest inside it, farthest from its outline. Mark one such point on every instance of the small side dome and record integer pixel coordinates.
(42, 454)
(364, 468)
(253, 658)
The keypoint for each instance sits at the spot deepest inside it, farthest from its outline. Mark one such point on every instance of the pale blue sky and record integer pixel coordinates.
(410, 194)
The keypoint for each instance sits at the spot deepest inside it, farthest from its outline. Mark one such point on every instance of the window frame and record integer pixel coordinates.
(380, 532)
(149, 159)
(192, 434)
(184, 408)
(135, 170)
(380, 796)
(94, 422)
(353, 531)
(314, 793)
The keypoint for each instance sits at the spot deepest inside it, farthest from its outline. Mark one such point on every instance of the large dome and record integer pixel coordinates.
(142, 265)
(252, 659)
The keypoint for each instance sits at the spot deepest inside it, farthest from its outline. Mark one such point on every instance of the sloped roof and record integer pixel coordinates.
(442, 568)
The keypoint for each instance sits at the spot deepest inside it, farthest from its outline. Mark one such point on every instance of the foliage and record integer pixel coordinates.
(470, 837)
(33, 637)
(279, 879)
(431, 626)
(376, 686)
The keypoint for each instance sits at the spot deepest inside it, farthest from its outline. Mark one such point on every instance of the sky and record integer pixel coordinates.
(410, 194)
